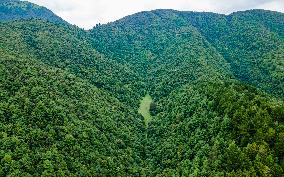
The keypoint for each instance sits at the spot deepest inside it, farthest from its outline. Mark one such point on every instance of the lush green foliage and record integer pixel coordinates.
(251, 41)
(54, 123)
(67, 47)
(217, 128)
(165, 49)
(168, 44)
(69, 98)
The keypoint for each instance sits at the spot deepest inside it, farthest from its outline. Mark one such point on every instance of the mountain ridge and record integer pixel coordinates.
(19, 10)
(69, 98)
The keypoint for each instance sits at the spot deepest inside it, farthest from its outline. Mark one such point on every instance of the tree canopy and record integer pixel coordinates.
(69, 98)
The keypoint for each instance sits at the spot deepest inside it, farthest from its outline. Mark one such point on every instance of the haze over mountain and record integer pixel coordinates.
(16, 9)
(70, 98)
(89, 13)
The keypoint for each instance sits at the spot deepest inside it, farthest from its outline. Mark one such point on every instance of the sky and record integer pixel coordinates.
(88, 13)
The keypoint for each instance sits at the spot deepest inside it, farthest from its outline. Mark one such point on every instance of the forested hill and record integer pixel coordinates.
(69, 48)
(248, 45)
(69, 98)
(16, 9)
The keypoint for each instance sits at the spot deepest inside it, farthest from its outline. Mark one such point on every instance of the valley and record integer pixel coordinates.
(157, 93)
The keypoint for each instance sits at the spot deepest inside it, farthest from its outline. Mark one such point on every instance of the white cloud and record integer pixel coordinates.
(273, 5)
(87, 13)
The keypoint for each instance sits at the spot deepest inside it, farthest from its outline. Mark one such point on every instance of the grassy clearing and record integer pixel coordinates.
(144, 109)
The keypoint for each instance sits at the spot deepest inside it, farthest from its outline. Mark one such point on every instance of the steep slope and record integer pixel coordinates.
(220, 128)
(54, 123)
(167, 42)
(68, 48)
(162, 47)
(251, 41)
(274, 21)
(18, 10)
(202, 118)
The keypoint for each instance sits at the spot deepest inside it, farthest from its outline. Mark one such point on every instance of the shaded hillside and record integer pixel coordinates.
(163, 47)
(250, 41)
(68, 48)
(167, 41)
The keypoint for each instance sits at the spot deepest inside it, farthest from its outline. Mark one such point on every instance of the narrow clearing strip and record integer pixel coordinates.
(144, 109)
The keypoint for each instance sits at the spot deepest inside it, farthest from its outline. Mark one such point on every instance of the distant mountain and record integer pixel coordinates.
(248, 45)
(251, 42)
(69, 98)
(15, 10)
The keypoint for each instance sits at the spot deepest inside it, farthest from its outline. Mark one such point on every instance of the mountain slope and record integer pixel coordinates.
(68, 48)
(241, 44)
(18, 10)
(54, 123)
(251, 42)
(163, 48)
(225, 129)
(69, 98)
(197, 67)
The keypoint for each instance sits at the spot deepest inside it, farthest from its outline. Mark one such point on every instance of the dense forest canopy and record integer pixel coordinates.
(69, 98)
(182, 44)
